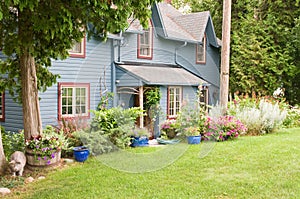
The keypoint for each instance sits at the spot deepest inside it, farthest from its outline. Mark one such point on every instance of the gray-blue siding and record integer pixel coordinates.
(93, 69)
(95, 66)
(13, 115)
(164, 52)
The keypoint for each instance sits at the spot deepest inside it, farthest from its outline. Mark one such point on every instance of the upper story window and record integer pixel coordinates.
(201, 51)
(73, 100)
(78, 49)
(174, 101)
(145, 43)
(2, 107)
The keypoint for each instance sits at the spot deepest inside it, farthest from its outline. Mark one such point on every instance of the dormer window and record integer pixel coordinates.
(145, 43)
(201, 51)
(78, 49)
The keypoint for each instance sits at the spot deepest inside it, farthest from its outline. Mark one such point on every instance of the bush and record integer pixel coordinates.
(293, 117)
(68, 127)
(223, 128)
(260, 116)
(95, 141)
(116, 124)
(191, 116)
(12, 142)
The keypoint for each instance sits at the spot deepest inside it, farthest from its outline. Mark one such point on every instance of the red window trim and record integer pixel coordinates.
(2, 119)
(80, 55)
(71, 84)
(204, 44)
(151, 44)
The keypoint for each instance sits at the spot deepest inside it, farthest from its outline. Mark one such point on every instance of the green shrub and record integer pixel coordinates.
(67, 127)
(191, 116)
(293, 117)
(12, 142)
(223, 128)
(260, 116)
(96, 141)
(116, 124)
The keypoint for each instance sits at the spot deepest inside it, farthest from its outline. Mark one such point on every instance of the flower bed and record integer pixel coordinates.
(223, 128)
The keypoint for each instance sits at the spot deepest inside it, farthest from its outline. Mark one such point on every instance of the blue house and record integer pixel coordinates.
(179, 54)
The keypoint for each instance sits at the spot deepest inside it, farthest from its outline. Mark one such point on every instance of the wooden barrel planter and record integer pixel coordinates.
(34, 163)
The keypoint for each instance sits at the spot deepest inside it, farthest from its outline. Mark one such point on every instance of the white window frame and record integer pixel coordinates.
(175, 101)
(74, 100)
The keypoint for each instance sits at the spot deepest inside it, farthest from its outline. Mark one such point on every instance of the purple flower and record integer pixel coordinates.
(52, 155)
(48, 162)
(45, 157)
(39, 158)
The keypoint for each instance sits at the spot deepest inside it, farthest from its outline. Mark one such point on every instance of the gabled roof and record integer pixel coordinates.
(184, 27)
(179, 26)
(171, 24)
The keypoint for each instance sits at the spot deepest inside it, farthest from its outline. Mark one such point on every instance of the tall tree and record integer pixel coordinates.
(264, 44)
(34, 32)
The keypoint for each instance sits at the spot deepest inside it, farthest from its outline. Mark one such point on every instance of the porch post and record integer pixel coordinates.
(141, 91)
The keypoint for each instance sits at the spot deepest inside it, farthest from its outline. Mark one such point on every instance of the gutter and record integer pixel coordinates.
(177, 63)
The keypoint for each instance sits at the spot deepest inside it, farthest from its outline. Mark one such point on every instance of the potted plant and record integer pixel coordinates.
(44, 149)
(81, 153)
(193, 135)
(168, 127)
(139, 137)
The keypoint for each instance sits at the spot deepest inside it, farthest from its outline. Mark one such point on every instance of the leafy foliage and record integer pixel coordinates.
(191, 116)
(264, 44)
(260, 117)
(45, 146)
(51, 27)
(12, 141)
(223, 128)
(116, 124)
(68, 127)
(153, 96)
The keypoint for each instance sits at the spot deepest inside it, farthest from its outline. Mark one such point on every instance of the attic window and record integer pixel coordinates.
(2, 107)
(145, 43)
(78, 49)
(201, 51)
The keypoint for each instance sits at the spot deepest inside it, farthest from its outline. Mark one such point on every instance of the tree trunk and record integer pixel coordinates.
(30, 100)
(2, 157)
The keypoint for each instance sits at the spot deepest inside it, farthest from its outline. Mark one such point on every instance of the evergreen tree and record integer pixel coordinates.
(264, 44)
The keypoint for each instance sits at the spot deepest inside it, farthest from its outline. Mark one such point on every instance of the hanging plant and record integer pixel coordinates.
(153, 96)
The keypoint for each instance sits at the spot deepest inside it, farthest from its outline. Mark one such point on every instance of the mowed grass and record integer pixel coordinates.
(249, 167)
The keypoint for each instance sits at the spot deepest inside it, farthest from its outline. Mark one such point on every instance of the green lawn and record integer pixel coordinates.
(249, 167)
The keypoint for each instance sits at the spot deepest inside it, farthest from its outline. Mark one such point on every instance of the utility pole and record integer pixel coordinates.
(225, 54)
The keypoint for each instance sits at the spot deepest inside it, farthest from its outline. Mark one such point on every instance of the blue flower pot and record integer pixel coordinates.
(194, 139)
(81, 153)
(139, 141)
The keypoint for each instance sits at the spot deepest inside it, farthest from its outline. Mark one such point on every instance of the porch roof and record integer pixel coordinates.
(161, 74)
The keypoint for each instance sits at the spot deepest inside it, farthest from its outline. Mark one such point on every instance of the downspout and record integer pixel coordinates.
(113, 68)
(176, 51)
